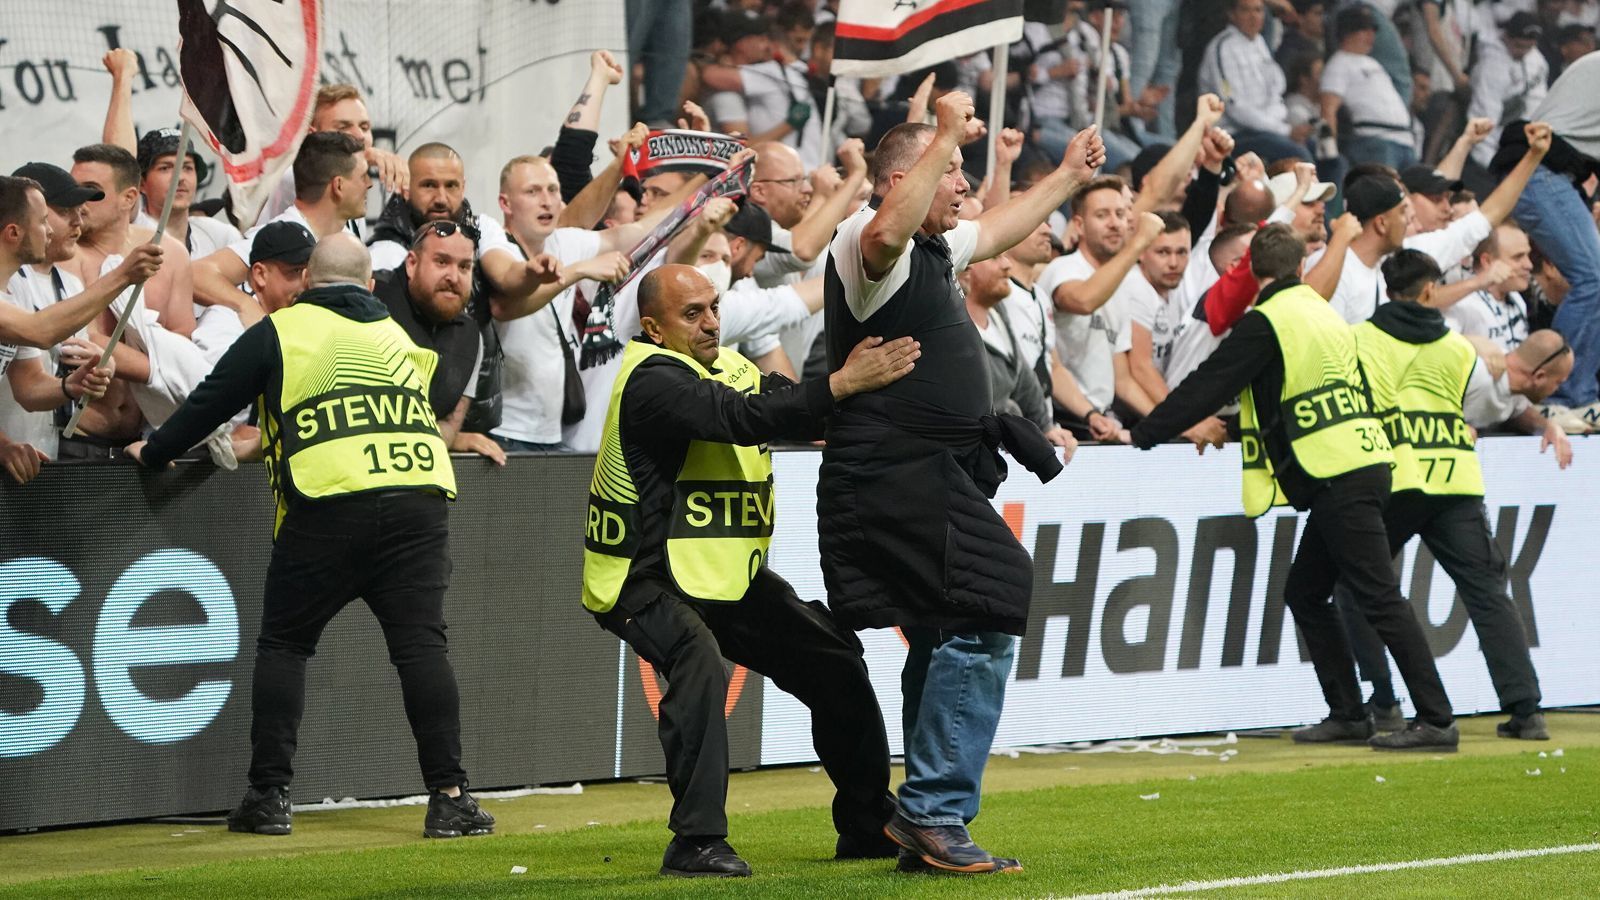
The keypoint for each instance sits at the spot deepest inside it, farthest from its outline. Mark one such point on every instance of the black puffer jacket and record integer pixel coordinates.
(906, 530)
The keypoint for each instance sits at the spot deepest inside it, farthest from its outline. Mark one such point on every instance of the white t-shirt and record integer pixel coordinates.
(206, 235)
(769, 88)
(1369, 95)
(598, 380)
(865, 296)
(1362, 288)
(1489, 402)
(1503, 321)
(1032, 321)
(531, 386)
(241, 247)
(1161, 316)
(1088, 344)
(16, 423)
(491, 236)
(748, 312)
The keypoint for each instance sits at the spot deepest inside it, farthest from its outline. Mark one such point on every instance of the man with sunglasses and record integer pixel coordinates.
(1428, 387)
(430, 295)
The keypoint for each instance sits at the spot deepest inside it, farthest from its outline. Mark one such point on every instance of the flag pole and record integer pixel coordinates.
(1105, 66)
(133, 301)
(997, 103)
(827, 123)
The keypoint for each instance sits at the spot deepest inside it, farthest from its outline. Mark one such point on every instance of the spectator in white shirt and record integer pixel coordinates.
(1352, 80)
(1153, 308)
(1509, 80)
(761, 97)
(1238, 67)
(1083, 44)
(1498, 312)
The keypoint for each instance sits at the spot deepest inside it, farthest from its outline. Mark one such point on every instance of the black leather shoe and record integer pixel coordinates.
(946, 848)
(713, 858)
(1419, 735)
(264, 811)
(1335, 731)
(453, 817)
(865, 846)
(1526, 728)
(1386, 718)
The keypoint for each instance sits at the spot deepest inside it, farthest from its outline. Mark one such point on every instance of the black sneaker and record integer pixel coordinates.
(947, 848)
(714, 858)
(865, 846)
(1419, 735)
(264, 811)
(1526, 728)
(453, 817)
(1386, 718)
(913, 864)
(1335, 731)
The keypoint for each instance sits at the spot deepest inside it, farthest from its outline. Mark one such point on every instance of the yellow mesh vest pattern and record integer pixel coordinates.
(1324, 405)
(1417, 392)
(722, 507)
(353, 412)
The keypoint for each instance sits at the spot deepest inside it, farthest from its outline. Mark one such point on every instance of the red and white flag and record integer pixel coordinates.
(876, 38)
(249, 72)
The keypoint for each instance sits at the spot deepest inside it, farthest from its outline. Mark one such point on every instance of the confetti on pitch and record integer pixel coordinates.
(1533, 772)
(519, 870)
(1559, 752)
(1380, 779)
(1155, 796)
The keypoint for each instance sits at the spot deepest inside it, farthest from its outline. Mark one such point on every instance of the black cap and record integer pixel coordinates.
(752, 223)
(1523, 25)
(737, 25)
(1370, 197)
(59, 189)
(1102, 5)
(1574, 32)
(1145, 161)
(1351, 19)
(164, 142)
(281, 241)
(1429, 181)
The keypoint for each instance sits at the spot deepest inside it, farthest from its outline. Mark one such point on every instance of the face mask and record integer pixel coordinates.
(720, 274)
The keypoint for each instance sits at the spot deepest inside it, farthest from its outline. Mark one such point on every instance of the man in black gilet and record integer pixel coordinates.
(908, 536)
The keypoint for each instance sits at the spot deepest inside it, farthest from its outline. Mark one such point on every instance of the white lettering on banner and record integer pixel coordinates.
(1151, 610)
(493, 78)
(119, 647)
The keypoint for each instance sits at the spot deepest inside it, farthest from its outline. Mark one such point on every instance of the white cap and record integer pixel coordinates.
(1282, 186)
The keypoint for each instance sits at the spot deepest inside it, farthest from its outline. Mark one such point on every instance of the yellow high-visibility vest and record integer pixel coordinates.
(1324, 405)
(722, 507)
(1417, 392)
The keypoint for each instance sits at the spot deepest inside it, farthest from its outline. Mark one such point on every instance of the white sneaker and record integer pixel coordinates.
(1590, 414)
(1568, 420)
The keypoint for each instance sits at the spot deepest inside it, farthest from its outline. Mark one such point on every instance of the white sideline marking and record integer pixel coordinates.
(1279, 878)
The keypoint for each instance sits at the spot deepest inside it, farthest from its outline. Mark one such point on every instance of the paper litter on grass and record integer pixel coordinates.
(1533, 772)
(1158, 746)
(519, 870)
(1155, 796)
(328, 803)
(1380, 779)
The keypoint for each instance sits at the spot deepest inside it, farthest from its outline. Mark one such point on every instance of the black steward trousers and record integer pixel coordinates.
(1456, 531)
(797, 645)
(1345, 538)
(392, 550)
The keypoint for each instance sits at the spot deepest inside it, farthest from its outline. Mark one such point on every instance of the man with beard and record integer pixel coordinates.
(428, 296)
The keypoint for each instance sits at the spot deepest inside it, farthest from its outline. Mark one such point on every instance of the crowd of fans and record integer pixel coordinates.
(1458, 128)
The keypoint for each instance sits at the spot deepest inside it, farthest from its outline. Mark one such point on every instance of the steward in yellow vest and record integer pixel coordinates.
(680, 519)
(1422, 374)
(1311, 439)
(362, 477)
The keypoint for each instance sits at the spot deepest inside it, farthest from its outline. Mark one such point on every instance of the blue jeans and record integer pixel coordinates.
(1270, 147)
(1552, 213)
(660, 33)
(1359, 149)
(953, 687)
(512, 445)
(1155, 29)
